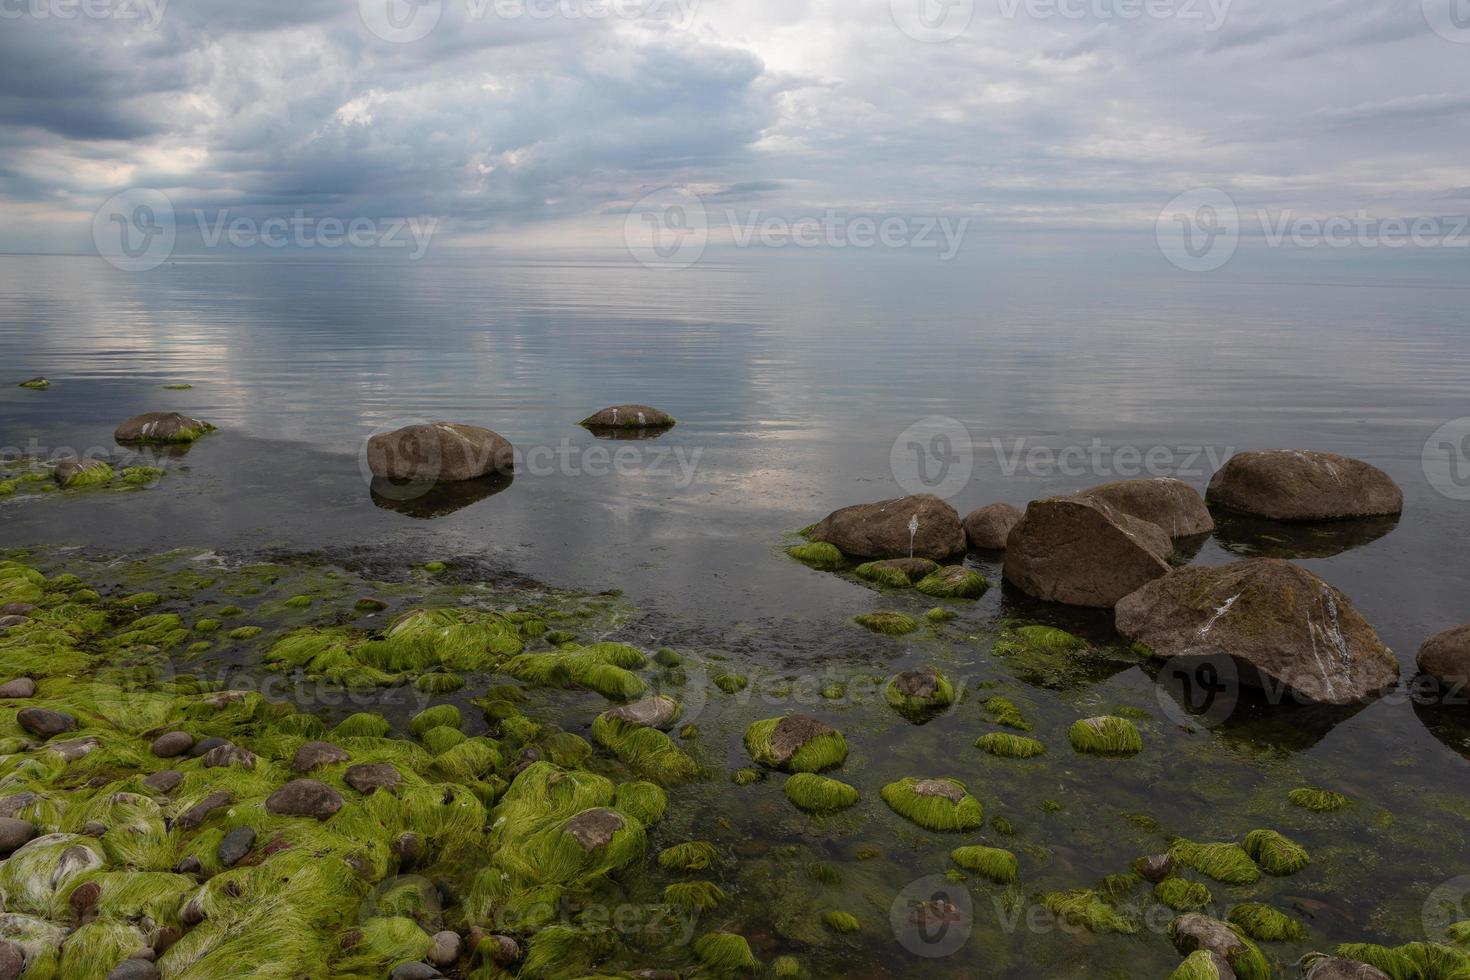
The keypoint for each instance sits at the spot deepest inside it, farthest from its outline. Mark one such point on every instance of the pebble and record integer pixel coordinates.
(21, 687)
(172, 744)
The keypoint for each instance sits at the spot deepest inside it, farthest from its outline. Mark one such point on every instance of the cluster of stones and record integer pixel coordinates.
(1114, 547)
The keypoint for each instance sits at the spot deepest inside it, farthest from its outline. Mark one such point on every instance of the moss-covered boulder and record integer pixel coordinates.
(1193, 932)
(1293, 630)
(935, 804)
(921, 526)
(1107, 735)
(818, 794)
(954, 582)
(896, 573)
(73, 473)
(162, 427)
(920, 693)
(796, 743)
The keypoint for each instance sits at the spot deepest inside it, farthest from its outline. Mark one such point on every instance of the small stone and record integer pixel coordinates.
(1154, 868)
(21, 687)
(163, 782)
(594, 828)
(165, 939)
(94, 829)
(447, 947)
(17, 609)
(44, 723)
(305, 798)
(190, 865)
(503, 950)
(408, 847)
(235, 846)
(941, 788)
(12, 961)
(922, 683)
(229, 755)
(201, 811)
(529, 756)
(84, 898)
(172, 744)
(14, 834)
(368, 779)
(313, 755)
(414, 971)
(206, 745)
(75, 749)
(657, 712)
(8, 621)
(370, 604)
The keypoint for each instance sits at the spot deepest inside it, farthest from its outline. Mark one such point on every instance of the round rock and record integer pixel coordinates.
(1293, 485)
(921, 526)
(313, 755)
(21, 687)
(988, 528)
(439, 452)
(14, 834)
(305, 798)
(447, 947)
(1171, 504)
(44, 723)
(1446, 657)
(170, 745)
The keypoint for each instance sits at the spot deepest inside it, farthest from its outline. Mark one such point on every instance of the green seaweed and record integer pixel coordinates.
(1263, 923)
(1009, 746)
(1318, 800)
(954, 582)
(1109, 735)
(887, 623)
(1275, 853)
(1229, 863)
(818, 794)
(935, 811)
(1183, 895)
(825, 751)
(818, 554)
(1087, 909)
(994, 863)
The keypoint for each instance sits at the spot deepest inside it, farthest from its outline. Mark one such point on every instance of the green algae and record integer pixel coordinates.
(1276, 853)
(1225, 862)
(887, 623)
(954, 582)
(1263, 923)
(824, 751)
(1318, 800)
(1008, 746)
(645, 801)
(818, 794)
(1199, 965)
(1088, 910)
(694, 897)
(1003, 712)
(1110, 736)
(941, 615)
(688, 856)
(647, 751)
(725, 953)
(842, 923)
(994, 863)
(935, 804)
(1411, 961)
(731, 683)
(920, 708)
(1183, 895)
(818, 554)
(884, 574)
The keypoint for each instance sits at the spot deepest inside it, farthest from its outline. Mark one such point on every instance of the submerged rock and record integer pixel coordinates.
(439, 452)
(305, 798)
(1200, 932)
(657, 712)
(629, 417)
(897, 573)
(883, 530)
(988, 528)
(1084, 552)
(1173, 505)
(1288, 485)
(796, 743)
(72, 472)
(162, 427)
(1285, 623)
(1319, 967)
(1446, 657)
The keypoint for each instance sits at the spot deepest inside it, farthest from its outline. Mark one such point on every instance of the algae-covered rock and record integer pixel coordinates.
(887, 623)
(439, 452)
(1317, 966)
(954, 582)
(994, 863)
(629, 417)
(1275, 853)
(818, 794)
(1106, 735)
(796, 743)
(921, 526)
(919, 693)
(72, 473)
(935, 804)
(35, 384)
(1083, 552)
(1289, 627)
(1193, 932)
(1171, 504)
(1266, 924)
(660, 712)
(161, 427)
(988, 528)
(1293, 485)
(305, 798)
(1203, 964)
(818, 554)
(896, 573)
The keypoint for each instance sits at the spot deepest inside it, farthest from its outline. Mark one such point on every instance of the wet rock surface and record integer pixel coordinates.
(1173, 505)
(1082, 552)
(882, 530)
(988, 528)
(1294, 485)
(439, 452)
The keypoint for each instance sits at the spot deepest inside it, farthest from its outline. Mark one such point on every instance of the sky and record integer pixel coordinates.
(544, 123)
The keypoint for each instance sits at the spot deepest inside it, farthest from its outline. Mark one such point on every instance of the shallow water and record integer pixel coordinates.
(792, 376)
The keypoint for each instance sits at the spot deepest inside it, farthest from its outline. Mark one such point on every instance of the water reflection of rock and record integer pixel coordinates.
(1257, 537)
(625, 435)
(1446, 716)
(428, 501)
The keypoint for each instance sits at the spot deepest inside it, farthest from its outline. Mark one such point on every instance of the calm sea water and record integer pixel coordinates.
(792, 376)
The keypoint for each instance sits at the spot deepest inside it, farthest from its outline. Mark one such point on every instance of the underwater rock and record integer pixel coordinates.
(163, 782)
(305, 798)
(161, 427)
(1282, 621)
(73, 472)
(796, 743)
(235, 846)
(1172, 505)
(368, 779)
(1154, 868)
(201, 811)
(21, 687)
(1446, 657)
(1290, 485)
(314, 755)
(935, 804)
(1316, 966)
(15, 834)
(1249, 536)
(988, 528)
(1084, 552)
(659, 712)
(45, 723)
(440, 452)
(882, 530)
(447, 947)
(919, 693)
(897, 573)
(170, 745)
(629, 417)
(595, 828)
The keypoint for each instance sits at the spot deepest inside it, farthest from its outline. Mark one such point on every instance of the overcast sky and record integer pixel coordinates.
(519, 126)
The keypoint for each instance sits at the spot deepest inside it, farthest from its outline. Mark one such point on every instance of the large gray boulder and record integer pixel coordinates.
(439, 452)
(921, 526)
(1083, 552)
(1172, 504)
(1294, 630)
(1291, 485)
